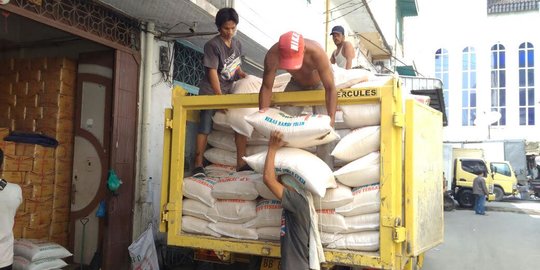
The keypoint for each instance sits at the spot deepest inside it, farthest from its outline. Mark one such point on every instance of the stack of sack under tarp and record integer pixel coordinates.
(38, 255)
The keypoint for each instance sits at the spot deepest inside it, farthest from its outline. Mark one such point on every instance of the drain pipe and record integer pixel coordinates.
(145, 99)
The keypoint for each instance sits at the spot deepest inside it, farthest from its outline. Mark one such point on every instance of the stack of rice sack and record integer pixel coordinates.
(354, 217)
(33, 254)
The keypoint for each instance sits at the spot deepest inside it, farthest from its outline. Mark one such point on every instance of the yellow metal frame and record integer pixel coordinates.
(391, 254)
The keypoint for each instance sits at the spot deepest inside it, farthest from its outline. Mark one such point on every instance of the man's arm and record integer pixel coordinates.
(269, 173)
(332, 58)
(327, 79)
(348, 52)
(214, 80)
(271, 62)
(484, 187)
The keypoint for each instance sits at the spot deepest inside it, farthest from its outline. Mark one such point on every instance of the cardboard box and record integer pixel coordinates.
(42, 191)
(29, 75)
(65, 75)
(65, 137)
(36, 178)
(38, 204)
(5, 116)
(43, 152)
(4, 132)
(21, 64)
(39, 232)
(55, 63)
(17, 163)
(57, 101)
(22, 220)
(61, 239)
(36, 88)
(59, 228)
(41, 218)
(8, 148)
(64, 151)
(24, 149)
(33, 113)
(20, 89)
(44, 165)
(59, 87)
(7, 99)
(61, 215)
(18, 113)
(27, 125)
(38, 63)
(18, 178)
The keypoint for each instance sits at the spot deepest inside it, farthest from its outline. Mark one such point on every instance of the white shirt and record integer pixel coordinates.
(341, 61)
(10, 199)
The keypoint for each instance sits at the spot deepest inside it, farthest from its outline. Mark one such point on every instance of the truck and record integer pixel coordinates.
(411, 212)
(466, 162)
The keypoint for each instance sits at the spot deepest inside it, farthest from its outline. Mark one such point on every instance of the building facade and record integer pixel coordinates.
(485, 54)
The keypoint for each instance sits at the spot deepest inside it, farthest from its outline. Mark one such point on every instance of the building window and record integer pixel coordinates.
(526, 84)
(441, 73)
(468, 87)
(188, 66)
(498, 82)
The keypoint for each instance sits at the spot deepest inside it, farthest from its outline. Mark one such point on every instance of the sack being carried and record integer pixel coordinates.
(298, 131)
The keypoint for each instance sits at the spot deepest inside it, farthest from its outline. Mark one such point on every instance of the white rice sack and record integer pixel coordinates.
(365, 222)
(348, 77)
(363, 171)
(268, 214)
(220, 156)
(361, 241)
(21, 263)
(358, 143)
(269, 233)
(249, 84)
(305, 167)
(196, 209)
(263, 189)
(219, 122)
(257, 139)
(199, 189)
(298, 131)
(222, 140)
(233, 230)
(235, 187)
(197, 226)
(331, 222)
(334, 197)
(33, 250)
(233, 211)
(367, 199)
(327, 238)
(361, 115)
(235, 118)
(219, 167)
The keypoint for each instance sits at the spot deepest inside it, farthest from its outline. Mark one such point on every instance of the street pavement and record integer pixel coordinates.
(507, 238)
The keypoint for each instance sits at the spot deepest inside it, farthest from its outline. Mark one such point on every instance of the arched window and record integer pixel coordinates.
(526, 84)
(441, 73)
(468, 87)
(498, 82)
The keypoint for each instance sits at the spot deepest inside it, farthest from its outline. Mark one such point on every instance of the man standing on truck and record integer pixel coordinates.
(344, 53)
(480, 192)
(222, 59)
(295, 219)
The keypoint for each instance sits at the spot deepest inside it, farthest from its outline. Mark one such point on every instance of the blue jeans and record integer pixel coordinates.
(479, 204)
(205, 121)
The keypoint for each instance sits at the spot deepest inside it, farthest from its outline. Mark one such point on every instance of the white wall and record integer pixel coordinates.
(264, 21)
(454, 25)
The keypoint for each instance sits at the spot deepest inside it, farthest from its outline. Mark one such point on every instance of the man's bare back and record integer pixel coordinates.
(315, 69)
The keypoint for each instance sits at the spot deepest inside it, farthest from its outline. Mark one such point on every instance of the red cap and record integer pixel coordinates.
(291, 50)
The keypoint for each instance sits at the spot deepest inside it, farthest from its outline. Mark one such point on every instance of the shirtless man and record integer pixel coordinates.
(309, 66)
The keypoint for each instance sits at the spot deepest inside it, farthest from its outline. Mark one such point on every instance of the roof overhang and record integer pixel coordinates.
(408, 8)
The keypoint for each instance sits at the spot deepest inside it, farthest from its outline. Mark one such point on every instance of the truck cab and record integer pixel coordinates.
(504, 179)
(465, 170)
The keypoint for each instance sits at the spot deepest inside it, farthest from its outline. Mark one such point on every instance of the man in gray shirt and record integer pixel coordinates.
(480, 192)
(295, 219)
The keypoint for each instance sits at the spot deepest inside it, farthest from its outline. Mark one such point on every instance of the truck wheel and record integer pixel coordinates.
(499, 193)
(466, 198)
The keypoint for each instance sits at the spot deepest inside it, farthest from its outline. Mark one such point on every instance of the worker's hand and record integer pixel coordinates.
(276, 140)
(263, 109)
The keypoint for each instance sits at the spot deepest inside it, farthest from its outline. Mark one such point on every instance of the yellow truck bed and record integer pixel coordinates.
(411, 215)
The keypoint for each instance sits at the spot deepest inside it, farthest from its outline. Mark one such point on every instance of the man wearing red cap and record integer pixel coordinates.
(309, 66)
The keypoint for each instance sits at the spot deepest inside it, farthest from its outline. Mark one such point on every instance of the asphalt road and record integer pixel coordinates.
(500, 240)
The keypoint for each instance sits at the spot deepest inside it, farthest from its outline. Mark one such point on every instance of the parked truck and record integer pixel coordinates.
(466, 162)
(411, 212)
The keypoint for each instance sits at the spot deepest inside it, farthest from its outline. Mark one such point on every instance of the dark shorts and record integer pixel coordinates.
(295, 86)
(205, 121)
